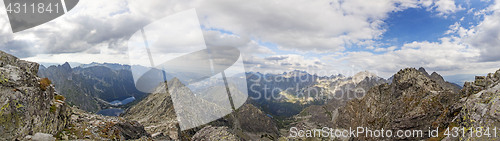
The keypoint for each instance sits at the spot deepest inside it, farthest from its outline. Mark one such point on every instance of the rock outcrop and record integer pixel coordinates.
(481, 83)
(29, 104)
(412, 101)
(210, 133)
(481, 107)
(85, 125)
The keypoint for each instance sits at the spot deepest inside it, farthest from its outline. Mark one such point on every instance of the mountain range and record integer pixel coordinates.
(61, 106)
(92, 87)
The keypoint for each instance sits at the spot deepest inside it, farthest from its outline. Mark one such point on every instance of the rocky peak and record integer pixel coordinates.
(422, 69)
(156, 112)
(175, 83)
(445, 84)
(411, 101)
(360, 76)
(66, 66)
(411, 76)
(435, 76)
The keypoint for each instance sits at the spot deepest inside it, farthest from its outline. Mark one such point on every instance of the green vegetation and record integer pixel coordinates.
(107, 131)
(303, 113)
(3, 108)
(53, 109)
(44, 83)
(19, 105)
(9, 120)
(73, 132)
(59, 97)
(3, 80)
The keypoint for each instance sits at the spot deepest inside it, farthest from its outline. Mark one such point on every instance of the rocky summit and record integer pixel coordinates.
(412, 101)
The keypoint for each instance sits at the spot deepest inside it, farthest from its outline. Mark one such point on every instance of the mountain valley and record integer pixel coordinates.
(63, 105)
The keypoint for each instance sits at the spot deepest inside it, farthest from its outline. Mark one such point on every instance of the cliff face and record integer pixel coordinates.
(62, 77)
(412, 101)
(28, 103)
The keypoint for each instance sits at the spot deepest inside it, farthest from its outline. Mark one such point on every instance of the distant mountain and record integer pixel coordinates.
(113, 66)
(440, 80)
(289, 93)
(92, 86)
(45, 64)
(413, 100)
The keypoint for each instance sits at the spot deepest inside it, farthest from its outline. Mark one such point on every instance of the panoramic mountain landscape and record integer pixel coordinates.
(259, 70)
(34, 108)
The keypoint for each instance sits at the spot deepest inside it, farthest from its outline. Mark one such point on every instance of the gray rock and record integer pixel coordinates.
(480, 107)
(43, 137)
(210, 133)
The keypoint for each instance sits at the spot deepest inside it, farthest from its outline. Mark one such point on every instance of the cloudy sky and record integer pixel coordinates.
(321, 36)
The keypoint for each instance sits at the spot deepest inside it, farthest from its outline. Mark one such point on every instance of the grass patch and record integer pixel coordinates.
(44, 83)
(53, 109)
(59, 97)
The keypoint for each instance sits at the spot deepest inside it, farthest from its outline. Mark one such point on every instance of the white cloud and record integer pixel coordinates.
(447, 7)
(443, 8)
(486, 35)
(243, 43)
(448, 56)
(283, 63)
(97, 31)
(383, 49)
(318, 26)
